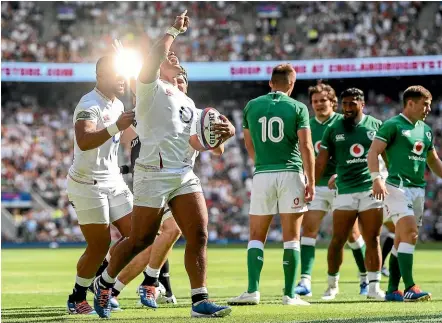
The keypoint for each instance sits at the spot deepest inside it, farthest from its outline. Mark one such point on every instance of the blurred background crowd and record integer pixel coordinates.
(37, 132)
(82, 31)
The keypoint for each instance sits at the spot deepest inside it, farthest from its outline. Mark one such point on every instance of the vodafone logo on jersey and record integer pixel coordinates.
(317, 146)
(356, 150)
(418, 147)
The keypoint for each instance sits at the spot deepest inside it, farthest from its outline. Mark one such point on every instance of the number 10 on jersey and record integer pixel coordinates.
(267, 129)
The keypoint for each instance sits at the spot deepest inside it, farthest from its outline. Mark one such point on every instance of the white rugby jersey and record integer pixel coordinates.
(166, 118)
(100, 163)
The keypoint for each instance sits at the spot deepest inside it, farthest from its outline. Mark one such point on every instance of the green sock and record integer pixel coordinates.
(395, 272)
(255, 261)
(290, 264)
(307, 256)
(358, 250)
(405, 259)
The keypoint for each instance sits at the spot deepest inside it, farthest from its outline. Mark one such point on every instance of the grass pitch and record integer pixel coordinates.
(36, 283)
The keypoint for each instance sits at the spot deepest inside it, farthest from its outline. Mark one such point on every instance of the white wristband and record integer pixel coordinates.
(113, 129)
(375, 175)
(172, 31)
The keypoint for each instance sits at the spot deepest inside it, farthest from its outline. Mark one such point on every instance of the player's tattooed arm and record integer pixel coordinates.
(434, 162)
(151, 66)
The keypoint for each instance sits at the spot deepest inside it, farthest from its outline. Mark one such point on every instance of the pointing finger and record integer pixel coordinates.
(184, 13)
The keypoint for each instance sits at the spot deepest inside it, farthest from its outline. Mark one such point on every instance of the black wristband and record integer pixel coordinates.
(124, 169)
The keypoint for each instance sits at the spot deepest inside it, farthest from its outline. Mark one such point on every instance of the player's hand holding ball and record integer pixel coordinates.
(125, 120)
(224, 129)
(182, 22)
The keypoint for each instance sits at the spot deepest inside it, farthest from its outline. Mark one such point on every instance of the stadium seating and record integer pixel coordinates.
(222, 31)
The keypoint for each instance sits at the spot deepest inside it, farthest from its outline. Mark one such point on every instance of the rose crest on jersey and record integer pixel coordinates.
(418, 147)
(357, 150)
(186, 114)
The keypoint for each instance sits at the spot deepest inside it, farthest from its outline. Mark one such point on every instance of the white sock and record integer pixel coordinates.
(84, 282)
(108, 279)
(306, 280)
(255, 244)
(374, 281)
(363, 278)
(333, 281)
(358, 244)
(108, 256)
(196, 291)
(406, 248)
(152, 272)
(119, 286)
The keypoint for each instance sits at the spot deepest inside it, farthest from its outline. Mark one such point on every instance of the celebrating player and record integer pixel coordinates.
(95, 186)
(273, 124)
(347, 141)
(154, 257)
(163, 174)
(324, 103)
(408, 142)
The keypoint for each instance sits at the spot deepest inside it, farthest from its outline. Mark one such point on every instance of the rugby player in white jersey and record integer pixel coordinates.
(95, 186)
(153, 260)
(163, 174)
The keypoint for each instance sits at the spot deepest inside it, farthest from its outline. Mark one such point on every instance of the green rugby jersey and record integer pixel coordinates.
(273, 121)
(408, 145)
(350, 148)
(318, 129)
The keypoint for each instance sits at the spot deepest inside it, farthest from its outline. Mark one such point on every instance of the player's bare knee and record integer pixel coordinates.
(338, 241)
(372, 242)
(199, 237)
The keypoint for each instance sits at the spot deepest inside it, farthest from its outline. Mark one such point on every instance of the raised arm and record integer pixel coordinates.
(152, 61)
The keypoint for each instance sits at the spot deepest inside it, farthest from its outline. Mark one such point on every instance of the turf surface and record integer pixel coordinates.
(35, 285)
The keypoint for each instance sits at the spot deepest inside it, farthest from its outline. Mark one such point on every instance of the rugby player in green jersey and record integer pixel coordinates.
(408, 142)
(324, 103)
(277, 137)
(348, 141)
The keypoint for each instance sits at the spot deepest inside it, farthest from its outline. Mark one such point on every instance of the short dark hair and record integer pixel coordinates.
(321, 87)
(105, 62)
(281, 73)
(415, 92)
(353, 92)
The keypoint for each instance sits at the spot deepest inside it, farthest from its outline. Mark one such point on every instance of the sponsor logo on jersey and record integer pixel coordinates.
(340, 137)
(371, 134)
(134, 142)
(317, 146)
(357, 150)
(406, 133)
(428, 134)
(418, 147)
(186, 114)
(410, 206)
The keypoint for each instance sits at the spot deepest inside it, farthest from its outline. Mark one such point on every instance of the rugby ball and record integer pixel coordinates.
(204, 127)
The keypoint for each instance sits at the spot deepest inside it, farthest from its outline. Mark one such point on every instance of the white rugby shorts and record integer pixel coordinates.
(278, 192)
(361, 201)
(405, 201)
(155, 188)
(99, 202)
(323, 200)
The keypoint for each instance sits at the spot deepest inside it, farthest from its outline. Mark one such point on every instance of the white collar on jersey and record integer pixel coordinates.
(102, 95)
(403, 116)
(327, 120)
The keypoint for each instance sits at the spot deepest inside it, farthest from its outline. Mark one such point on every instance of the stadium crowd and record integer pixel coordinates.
(37, 151)
(82, 31)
